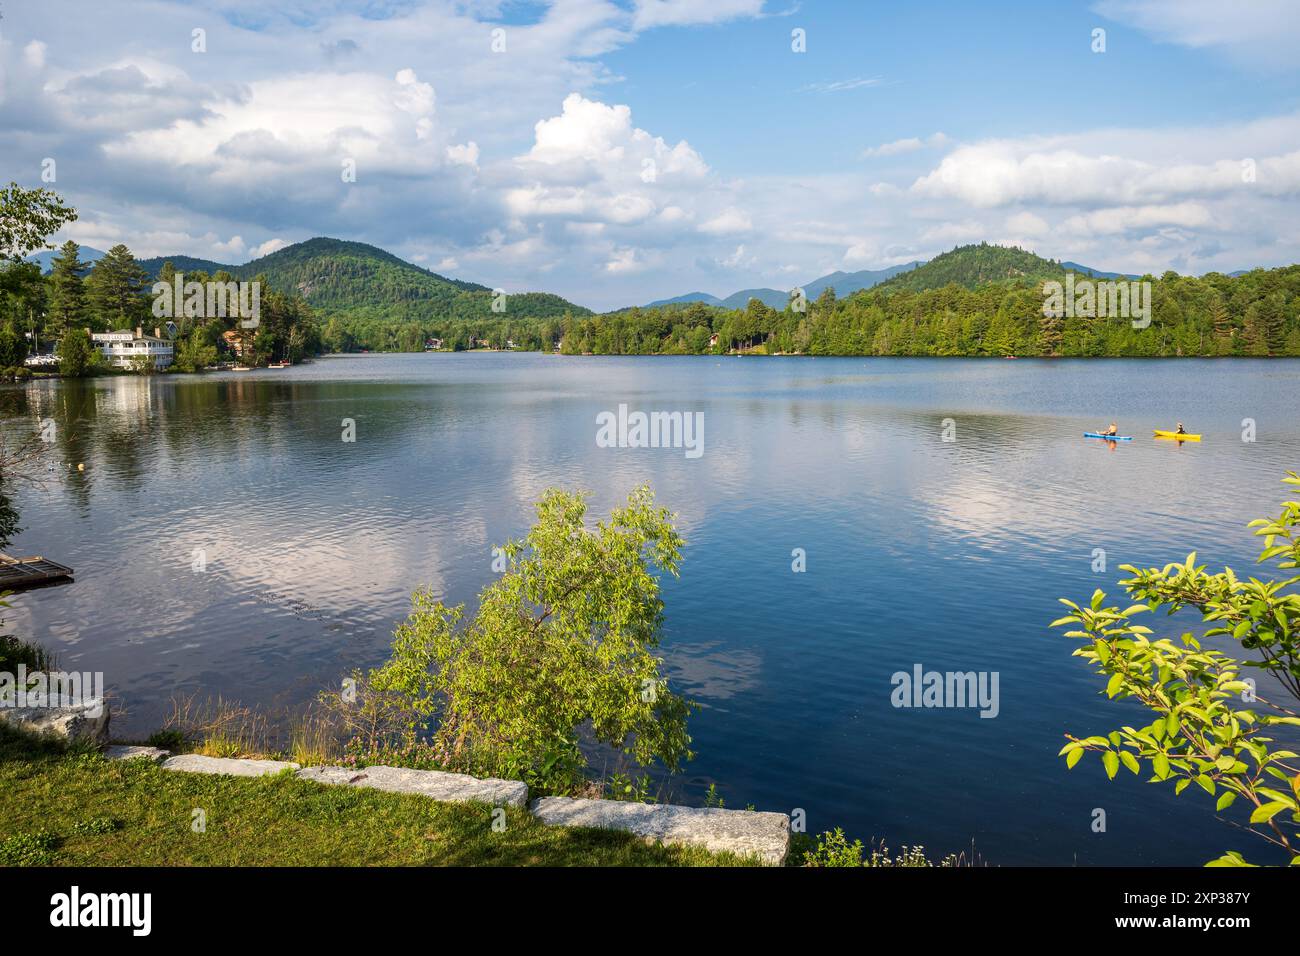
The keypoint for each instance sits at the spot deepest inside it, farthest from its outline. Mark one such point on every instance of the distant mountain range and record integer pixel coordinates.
(1120, 275)
(966, 265)
(844, 283)
(46, 257)
(1095, 273)
(337, 277)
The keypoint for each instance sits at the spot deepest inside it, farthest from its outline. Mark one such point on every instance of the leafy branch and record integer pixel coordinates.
(1200, 735)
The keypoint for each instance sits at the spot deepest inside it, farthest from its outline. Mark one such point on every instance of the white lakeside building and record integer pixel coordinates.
(121, 348)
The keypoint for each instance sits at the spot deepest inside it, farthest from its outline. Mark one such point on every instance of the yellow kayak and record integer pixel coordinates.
(1175, 435)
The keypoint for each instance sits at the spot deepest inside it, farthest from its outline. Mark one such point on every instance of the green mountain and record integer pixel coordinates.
(971, 266)
(183, 264)
(774, 298)
(356, 280)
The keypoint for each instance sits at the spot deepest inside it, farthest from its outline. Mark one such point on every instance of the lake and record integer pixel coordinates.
(946, 554)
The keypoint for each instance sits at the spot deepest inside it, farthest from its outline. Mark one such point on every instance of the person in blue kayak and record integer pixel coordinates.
(1112, 430)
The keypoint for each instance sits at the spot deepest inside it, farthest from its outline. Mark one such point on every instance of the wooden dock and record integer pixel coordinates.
(19, 573)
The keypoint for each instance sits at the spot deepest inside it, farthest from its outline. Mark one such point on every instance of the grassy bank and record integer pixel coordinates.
(77, 809)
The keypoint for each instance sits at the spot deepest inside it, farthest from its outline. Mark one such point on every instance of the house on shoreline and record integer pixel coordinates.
(124, 349)
(237, 343)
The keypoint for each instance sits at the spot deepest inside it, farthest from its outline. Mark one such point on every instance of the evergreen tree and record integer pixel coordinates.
(1261, 326)
(115, 291)
(67, 304)
(1051, 333)
(1220, 318)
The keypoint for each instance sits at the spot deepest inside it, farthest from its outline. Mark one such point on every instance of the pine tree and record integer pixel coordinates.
(115, 291)
(67, 308)
(1264, 326)
(1220, 318)
(1051, 333)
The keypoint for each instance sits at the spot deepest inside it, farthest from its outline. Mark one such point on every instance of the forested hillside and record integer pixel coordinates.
(1257, 313)
(365, 297)
(974, 300)
(975, 265)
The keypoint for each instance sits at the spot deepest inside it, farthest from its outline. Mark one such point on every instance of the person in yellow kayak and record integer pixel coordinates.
(1180, 434)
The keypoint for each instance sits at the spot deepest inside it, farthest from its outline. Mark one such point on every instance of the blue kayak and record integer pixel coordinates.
(1108, 437)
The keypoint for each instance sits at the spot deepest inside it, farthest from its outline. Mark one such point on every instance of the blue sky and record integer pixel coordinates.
(617, 152)
(734, 89)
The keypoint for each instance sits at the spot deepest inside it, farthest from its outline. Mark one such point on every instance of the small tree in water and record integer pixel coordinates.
(564, 642)
(1212, 727)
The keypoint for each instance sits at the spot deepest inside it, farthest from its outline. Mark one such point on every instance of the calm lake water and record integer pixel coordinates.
(946, 554)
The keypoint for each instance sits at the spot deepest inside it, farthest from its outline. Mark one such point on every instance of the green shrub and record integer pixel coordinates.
(14, 652)
(1200, 735)
(834, 850)
(621, 786)
(77, 355)
(173, 740)
(564, 639)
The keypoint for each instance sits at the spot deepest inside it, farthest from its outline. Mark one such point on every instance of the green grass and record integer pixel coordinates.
(77, 809)
(14, 652)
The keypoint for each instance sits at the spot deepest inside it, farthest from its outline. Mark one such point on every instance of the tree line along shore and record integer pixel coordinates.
(328, 295)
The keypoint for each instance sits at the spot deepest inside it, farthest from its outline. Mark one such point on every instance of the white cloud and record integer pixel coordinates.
(909, 145)
(839, 86)
(730, 220)
(662, 13)
(413, 96)
(465, 154)
(232, 249)
(1113, 167)
(861, 254)
(954, 233)
(585, 130)
(268, 247)
(290, 124)
(590, 132)
(34, 54)
(591, 168)
(739, 259)
(1263, 32)
(1028, 224)
(1123, 219)
(624, 260)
